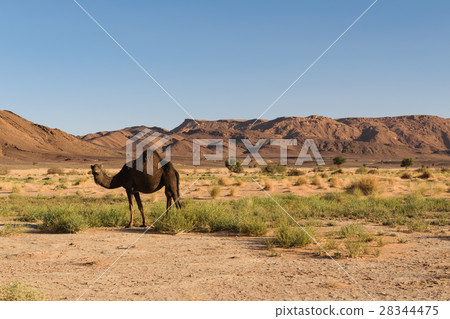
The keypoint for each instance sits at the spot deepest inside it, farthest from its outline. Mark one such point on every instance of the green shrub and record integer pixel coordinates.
(293, 236)
(339, 160)
(252, 226)
(175, 222)
(418, 226)
(59, 220)
(354, 248)
(273, 169)
(10, 229)
(407, 162)
(234, 166)
(17, 291)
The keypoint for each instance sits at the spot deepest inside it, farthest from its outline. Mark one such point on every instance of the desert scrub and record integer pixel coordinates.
(214, 191)
(301, 180)
(335, 182)
(361, 170)
(426, 174)
(317, 181)
(16, 189)
(406, 175)
(294, 236)
(268, 185)
(4, 171)
(367, 185)
(252, 226)
(55, 171)
(18, 291)
(273, 169)
(232, 191)
(295, 172)
(355, 231)
(60, 220)
(10, 229)
(418, 226)
(223, 181)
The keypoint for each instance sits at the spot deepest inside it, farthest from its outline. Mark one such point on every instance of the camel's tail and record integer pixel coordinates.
(178, 187)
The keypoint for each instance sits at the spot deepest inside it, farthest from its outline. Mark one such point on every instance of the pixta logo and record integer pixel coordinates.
(142, 146)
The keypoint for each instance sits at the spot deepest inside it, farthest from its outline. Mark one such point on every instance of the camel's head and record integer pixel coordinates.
(96, 169)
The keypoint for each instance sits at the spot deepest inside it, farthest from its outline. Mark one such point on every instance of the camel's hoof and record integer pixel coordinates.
(129, 226)
(143, 225)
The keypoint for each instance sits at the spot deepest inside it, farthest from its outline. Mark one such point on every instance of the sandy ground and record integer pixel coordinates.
(220, 267)
(81, 183)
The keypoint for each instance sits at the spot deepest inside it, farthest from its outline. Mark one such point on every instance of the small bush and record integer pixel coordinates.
(175, 222)
(10, 229)
(4, 171)
(354, 248)
(61, 221)
(367, 185)
(373, 172)
(273, 169)
(302, 180)
(239, 183)
(406, 175)
(214, 191)
(339, 160)
(294, 236)
(338, 171)
(361, 170)
(17, 291)
(407, 162)
(317, 181)
(268, 185)
(223, 181)
(335, 182)
(234, 166)
(252, 226)
(418, 226)
(295, 172)
(426, 174)
(55, 171)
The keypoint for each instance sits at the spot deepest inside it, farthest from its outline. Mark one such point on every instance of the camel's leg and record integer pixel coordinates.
(130, 202)
(141, 208)
(169, 198)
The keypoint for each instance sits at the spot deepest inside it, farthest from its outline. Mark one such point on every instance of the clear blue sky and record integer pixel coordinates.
(221, 59)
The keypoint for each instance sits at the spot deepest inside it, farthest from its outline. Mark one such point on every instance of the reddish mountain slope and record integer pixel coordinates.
(25, 140)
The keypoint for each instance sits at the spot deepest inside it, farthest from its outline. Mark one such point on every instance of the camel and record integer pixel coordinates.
(135, 181)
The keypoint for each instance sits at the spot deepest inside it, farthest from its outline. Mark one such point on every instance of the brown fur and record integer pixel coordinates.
(135, 182)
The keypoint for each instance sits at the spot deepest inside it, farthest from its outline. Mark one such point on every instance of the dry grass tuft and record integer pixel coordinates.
(335, 182)
(426, 174)
(232, 191)
(268, 185)
(223, 181)
(55, 170)
(215, 191)
(302, 180)
(317, 181)
(368, 185)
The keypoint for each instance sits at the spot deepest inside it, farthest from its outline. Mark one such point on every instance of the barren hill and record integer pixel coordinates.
(389, 138)
(385, 138)
(23, 140)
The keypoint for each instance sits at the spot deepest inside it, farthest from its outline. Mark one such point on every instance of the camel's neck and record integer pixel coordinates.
(107, 181)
